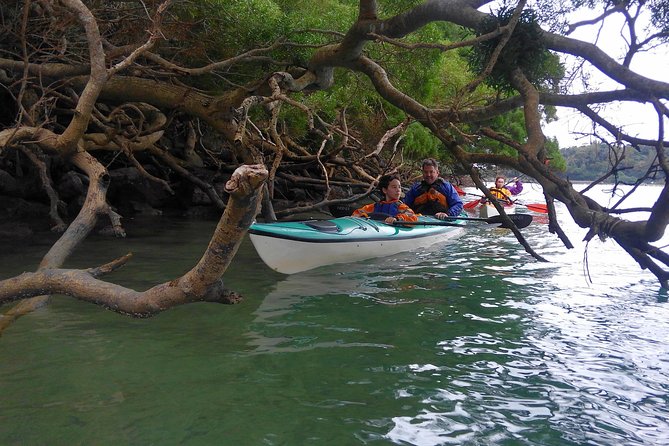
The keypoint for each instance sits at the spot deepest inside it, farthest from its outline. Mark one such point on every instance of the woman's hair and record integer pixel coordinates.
(500, 176)
(385, 180)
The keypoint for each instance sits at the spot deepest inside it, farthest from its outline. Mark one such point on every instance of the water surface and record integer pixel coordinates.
(469, 344)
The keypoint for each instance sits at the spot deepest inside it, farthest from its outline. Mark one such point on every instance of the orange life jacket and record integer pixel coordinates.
(430, 201)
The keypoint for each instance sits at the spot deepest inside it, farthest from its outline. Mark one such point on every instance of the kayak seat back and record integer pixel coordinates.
(323, 226)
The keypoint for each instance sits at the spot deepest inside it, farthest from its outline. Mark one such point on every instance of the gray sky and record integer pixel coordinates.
(635, 119)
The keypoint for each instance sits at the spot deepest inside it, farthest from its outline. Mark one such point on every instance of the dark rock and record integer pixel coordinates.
(14, 231)
(8, 185)
(204, 212)
(143, 209)
(18, 208)
(72, 185)
(128, 184)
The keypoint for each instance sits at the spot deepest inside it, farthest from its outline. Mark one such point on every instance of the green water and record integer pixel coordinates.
(450, 346)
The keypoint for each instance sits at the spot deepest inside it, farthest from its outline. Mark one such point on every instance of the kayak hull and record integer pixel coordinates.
(487, 210)
(293, 247)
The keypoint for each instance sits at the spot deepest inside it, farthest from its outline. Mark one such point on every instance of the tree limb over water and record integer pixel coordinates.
(148, 92)
(202, 283)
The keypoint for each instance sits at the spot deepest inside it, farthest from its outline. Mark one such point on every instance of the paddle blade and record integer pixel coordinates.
(471, 204)
(520, 220)
(537, 207)
(459, 190)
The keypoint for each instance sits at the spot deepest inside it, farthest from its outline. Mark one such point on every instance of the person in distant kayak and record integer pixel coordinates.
(433, 195)
(503, 192)
(391, 187)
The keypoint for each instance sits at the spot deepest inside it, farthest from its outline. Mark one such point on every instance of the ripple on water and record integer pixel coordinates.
(611, 354)
(474, 343)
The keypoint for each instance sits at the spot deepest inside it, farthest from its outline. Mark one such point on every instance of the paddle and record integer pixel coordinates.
(520, 220)
(471, 204)
(534, 207)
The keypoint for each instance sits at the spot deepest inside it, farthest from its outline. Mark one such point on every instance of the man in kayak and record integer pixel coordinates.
(392, 206)
(503, 192)
(434, 195)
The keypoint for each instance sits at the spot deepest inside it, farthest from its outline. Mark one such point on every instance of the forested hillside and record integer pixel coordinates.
(587, 163)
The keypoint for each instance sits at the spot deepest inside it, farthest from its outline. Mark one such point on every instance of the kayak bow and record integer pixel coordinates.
(292, 247)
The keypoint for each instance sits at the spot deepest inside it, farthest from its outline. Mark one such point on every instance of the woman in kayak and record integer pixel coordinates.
(504, 192)
(392, 206)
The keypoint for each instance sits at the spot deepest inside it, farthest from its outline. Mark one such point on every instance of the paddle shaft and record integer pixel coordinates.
(517, 219)
(535, 207)
(520, 220)
(427, 223)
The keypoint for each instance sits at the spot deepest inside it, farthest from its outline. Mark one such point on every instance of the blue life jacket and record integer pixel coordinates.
(391, 209)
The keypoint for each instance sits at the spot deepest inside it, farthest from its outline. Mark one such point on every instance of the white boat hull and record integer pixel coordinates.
(289, 256)
(487, 210)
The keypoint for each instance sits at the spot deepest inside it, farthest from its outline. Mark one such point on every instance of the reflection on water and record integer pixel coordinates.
(473, 344)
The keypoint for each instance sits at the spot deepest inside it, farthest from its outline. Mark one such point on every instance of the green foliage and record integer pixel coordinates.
(447, 78)
(215, 30)
(420, 143)
(587, 163)
(419, 73)
(393, 7)
(429, 76)
(553, 153)
(350, 90)
(224, 28)
(660, 17)
(302, 16)
(524, 50)
(511, 125)
(550, 113)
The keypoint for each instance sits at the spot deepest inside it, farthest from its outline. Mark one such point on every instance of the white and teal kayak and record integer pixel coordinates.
(292, 247)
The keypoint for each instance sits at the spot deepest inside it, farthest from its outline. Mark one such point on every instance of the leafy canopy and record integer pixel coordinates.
(218, 29)
(523, 50)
